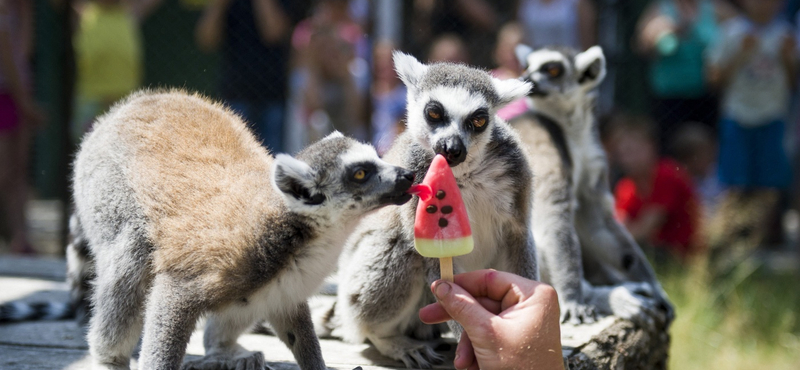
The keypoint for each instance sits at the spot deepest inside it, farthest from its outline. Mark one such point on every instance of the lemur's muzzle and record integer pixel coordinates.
(536, 89)
(453, 149)
(402, 183)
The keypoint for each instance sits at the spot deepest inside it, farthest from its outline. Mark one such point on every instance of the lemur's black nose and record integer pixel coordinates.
(452, 149)
(406, 174)
(405, 179)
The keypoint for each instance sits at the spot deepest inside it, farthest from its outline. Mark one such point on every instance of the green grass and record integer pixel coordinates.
(746, 318)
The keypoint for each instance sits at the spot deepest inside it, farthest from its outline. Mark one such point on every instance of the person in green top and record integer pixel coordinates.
(674, 34)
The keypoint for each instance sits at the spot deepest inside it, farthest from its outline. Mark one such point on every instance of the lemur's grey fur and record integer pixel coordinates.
(185, 214)
(383, 280)
(573, 221)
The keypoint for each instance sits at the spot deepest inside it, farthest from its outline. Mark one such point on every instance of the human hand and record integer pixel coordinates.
(656, 28)
(509, 322)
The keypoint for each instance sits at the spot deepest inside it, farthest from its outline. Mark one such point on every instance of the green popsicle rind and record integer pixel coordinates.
(438, 248)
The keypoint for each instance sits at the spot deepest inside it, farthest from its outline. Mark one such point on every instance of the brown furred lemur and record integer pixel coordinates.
(185, 215)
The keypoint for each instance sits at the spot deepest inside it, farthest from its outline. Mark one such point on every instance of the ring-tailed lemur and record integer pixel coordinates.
(185, 214)
(383, 280)
(573, 221)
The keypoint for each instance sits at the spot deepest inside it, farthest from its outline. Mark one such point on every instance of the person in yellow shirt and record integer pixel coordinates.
(109, 56)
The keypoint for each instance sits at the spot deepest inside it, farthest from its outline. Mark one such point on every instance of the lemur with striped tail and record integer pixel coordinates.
(589, 257)
(184, 214)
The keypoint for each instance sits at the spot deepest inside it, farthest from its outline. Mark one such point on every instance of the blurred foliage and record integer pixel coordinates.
(742, 318)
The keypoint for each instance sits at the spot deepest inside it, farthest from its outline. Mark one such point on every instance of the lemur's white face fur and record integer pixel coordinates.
(561, 77)
(338, 178)
(451, 108)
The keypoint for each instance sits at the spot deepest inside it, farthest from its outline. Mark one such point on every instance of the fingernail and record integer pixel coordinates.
(441, 289)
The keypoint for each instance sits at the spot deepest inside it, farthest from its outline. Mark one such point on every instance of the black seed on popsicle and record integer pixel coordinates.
(442, 222)
(447, 209)
(440, 194)
(430, 209)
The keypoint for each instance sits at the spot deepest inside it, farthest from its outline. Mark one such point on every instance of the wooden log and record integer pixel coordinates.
(615, 343)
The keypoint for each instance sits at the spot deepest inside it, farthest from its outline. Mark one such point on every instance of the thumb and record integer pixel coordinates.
(460, 305)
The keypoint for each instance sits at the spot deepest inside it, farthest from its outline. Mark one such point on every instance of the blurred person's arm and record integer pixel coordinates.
(271, 20)
(354, 102)
(479, 13)
(143, 8)
(651, 26)
(210, 27)
(722, 69)
(587, 23)
(353, 99)
(724, 10)
(647, 224)
(789, 59)
(312, 91)
(27, 26)
(7, 64)
(16, 87)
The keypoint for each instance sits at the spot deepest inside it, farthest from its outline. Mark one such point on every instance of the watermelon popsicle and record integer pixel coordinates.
(441, 227)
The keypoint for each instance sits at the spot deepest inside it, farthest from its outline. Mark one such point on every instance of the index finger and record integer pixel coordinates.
(497, 285)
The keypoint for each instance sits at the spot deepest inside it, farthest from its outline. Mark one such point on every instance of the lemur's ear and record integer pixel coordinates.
(591, 66)
(295, 179)
(408, 68)
(510, 90)
(522, 51)
(333, 135)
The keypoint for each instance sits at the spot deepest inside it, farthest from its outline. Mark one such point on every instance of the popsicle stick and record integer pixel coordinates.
(446, 268)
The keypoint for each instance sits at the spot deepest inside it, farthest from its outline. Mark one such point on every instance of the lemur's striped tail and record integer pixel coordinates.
(80, 273)
(23, 311)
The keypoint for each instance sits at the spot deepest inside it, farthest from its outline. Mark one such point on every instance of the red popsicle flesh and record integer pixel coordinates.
(441, 227)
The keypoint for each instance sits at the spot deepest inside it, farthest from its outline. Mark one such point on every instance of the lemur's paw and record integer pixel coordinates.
(414, 353)
(241, 360)
(422, 357)
(636, 302)
(578, 313)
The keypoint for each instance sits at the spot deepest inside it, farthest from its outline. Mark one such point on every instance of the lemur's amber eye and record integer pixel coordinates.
(553, 69)
(359, 175)
(478, 122)
(434, 115)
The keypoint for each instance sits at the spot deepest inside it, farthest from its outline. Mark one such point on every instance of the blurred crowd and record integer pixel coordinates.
(708, 167)
(706, 164)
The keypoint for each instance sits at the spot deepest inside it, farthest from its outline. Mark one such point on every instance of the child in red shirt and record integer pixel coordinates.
(655, 200)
